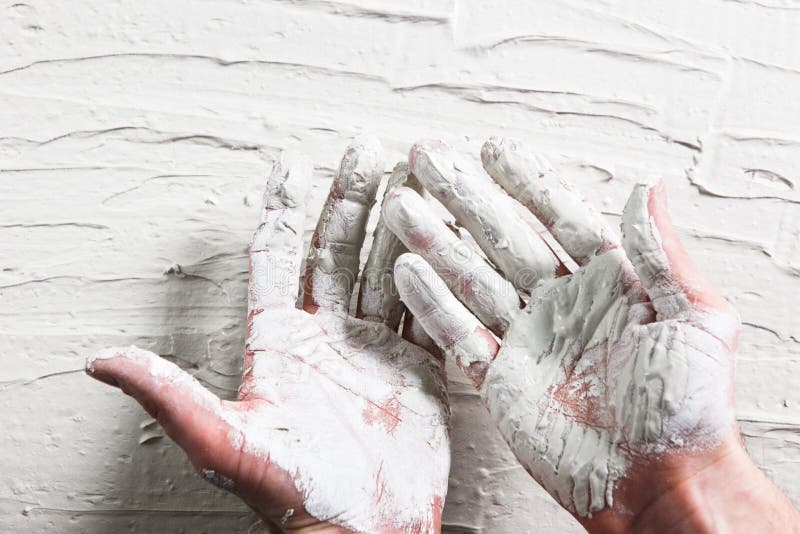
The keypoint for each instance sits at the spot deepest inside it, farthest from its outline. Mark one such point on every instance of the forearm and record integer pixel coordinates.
(720, 492)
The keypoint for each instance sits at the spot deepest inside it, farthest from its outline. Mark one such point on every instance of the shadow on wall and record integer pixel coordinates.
(200, 321)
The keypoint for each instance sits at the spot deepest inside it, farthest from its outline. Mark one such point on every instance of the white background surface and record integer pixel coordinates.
(135, 137)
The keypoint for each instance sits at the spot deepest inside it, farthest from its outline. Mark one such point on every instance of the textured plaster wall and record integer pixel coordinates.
(135, 137)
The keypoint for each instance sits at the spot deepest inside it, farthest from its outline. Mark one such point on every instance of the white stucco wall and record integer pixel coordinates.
(135, 136)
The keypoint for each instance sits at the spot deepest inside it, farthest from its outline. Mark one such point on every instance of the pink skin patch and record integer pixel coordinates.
(697, 289)
(576, 396)
(386, 414)
(476, 371)
(420, 240)
(250, 317)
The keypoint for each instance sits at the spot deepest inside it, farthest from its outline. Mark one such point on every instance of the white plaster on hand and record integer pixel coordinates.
(586, 382)
(355, 412)
(609, 368)
(340, 421)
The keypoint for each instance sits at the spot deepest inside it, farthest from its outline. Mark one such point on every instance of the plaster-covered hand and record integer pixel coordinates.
(341, 423)
(613, 384)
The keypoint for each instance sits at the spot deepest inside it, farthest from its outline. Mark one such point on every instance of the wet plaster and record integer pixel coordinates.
(135, 137)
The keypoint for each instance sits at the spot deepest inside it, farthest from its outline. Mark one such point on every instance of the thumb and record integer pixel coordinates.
(192, 416)
(673, 282)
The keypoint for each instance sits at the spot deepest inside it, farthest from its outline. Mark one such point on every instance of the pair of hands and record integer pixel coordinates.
(611, 381)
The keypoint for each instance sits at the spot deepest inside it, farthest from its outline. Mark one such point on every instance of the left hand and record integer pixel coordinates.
(614, 381)
(341, 423)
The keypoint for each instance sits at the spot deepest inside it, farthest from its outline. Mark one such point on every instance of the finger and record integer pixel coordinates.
(492, 298)
(276, 248)
(190, 414)
(509, 242)
(578, 228)
(415, 333)
(333, 259)
(672, 281)
(456, 331)
(378, 299)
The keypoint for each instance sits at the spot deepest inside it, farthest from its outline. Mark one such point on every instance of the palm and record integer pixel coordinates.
(339, 402)
(609, 386)
(341, 423)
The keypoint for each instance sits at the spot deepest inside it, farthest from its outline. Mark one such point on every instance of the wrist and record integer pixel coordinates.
(725, 493)
(716, 491)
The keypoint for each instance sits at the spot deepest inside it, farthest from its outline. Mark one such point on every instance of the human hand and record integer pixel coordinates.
(341, 423)
(612, 384)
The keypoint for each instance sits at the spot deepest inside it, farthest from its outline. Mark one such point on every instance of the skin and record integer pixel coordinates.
(695, 488)
(303, 369)
(685, 469)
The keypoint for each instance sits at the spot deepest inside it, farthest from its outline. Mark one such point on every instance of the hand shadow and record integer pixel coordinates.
(200, 325)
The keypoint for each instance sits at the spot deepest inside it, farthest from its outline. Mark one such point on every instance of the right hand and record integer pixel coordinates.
(607, 373)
